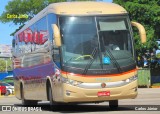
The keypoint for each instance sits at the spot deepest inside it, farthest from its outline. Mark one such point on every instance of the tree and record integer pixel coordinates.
(2, 65)
(25, 7)
(147, 12)
(28, 7)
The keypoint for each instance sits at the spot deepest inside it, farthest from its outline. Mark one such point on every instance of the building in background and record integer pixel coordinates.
(5, 51)
(5, 61)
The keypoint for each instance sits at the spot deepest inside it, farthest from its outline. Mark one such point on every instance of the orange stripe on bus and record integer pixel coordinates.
(63, 72)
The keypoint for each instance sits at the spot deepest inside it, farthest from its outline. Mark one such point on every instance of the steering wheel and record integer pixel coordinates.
(83, 56)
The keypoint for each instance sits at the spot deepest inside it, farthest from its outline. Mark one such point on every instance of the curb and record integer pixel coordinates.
(6, 96)
(155, 86)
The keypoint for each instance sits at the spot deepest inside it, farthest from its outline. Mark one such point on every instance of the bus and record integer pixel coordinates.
(76, 52)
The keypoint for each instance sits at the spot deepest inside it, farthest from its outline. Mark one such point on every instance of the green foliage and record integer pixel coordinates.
(158, 55)
(156, 84)
(146, 12)
(9, 64)
(28, 7)
(3, 65)
(25, 7)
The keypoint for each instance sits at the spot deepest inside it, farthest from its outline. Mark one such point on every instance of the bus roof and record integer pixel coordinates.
(86, 8)
(77, 8)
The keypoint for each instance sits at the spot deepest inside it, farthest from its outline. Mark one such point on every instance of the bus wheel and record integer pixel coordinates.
(52, 107)
(27, 102)
(113, 104)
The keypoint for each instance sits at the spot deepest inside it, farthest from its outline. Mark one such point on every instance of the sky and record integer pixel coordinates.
(8, 28)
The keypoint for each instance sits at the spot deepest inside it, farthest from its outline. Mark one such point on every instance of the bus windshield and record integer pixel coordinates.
(96, 44)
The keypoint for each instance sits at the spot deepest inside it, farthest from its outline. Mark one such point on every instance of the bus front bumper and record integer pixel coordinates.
(76, 94)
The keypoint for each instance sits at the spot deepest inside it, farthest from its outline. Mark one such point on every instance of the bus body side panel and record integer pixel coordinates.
(33, 59)
(34, 80)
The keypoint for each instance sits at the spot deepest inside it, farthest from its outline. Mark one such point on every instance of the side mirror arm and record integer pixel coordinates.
(142, 31)
(56, 35)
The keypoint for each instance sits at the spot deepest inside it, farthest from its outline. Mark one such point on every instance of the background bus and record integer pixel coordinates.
(76, 52)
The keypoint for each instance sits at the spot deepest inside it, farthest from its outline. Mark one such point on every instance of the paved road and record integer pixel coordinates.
(146, 96)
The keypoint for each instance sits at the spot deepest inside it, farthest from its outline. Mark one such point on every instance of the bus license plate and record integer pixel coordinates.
(103, 93)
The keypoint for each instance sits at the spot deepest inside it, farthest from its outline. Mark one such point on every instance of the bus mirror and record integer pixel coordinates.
(56, 35)
(142, 31)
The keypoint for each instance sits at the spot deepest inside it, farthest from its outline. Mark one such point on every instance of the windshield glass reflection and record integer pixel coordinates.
(80, 36)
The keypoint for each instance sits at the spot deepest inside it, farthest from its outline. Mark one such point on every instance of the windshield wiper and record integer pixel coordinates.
(113, 60)
(91, 61)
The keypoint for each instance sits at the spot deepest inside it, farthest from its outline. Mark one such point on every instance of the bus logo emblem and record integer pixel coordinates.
(103, 85)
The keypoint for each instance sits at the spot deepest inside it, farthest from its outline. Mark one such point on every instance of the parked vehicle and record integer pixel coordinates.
(11, 83)
(8, 79)
(2, 89)
(9, 88)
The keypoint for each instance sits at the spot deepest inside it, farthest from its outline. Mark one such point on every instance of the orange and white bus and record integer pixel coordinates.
(76, 52)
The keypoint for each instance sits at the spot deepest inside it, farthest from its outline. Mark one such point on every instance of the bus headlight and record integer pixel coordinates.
(133, 78)
(69, 81)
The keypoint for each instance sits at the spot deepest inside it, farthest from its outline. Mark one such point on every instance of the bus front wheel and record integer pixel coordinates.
(113, 104)
(52, 103)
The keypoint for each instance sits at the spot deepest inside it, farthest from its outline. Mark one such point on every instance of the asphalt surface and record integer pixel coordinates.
(147, 101)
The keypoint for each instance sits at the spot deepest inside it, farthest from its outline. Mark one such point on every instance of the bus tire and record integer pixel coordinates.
(52, 107)
(27, 102)
(113, 104)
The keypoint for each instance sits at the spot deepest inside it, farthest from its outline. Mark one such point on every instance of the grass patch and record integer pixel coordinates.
(156, 84)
